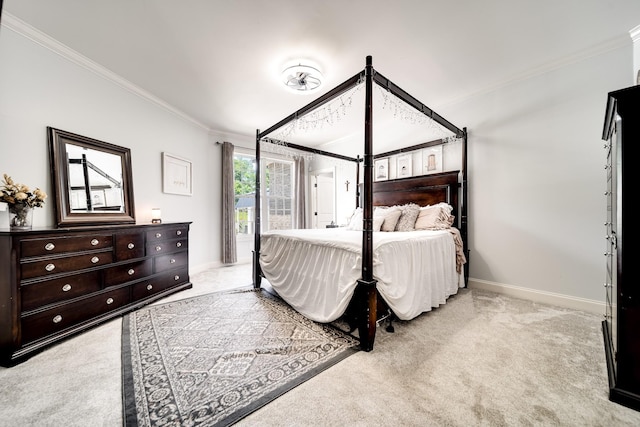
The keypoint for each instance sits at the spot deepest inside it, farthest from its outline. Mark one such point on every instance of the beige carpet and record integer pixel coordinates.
(480, 360)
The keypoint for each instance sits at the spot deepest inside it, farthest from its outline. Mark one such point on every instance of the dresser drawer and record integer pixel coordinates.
(160, 283)
(170, 261)
(36, 295)
(168, 246)
(127, 272)
(45, 267)
(129, 246)
(60, 245)
(166, 233)
(57, 319)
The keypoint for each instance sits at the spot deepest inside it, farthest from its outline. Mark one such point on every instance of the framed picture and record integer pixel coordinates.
(432, 160)
(381, 169)
(176, 175)
(404, 165)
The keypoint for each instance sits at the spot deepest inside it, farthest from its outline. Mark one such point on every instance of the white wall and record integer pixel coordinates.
(537, 180)
(40, 88)
(536, 177)
(344, 171)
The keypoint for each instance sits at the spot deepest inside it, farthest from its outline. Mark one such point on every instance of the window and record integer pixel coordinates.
(244, 175)
(278, 195)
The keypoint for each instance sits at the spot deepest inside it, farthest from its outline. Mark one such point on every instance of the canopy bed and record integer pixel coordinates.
(358, 271)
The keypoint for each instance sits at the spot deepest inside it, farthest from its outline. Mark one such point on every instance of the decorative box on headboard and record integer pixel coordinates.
(56, 282)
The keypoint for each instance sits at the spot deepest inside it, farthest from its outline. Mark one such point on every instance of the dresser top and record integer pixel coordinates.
(5, 231)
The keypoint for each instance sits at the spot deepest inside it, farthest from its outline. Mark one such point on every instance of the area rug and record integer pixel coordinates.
(213, 359)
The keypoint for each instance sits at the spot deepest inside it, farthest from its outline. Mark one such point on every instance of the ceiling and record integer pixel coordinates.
(219, 61)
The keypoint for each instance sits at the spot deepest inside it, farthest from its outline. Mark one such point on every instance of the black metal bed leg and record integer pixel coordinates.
(390, 327)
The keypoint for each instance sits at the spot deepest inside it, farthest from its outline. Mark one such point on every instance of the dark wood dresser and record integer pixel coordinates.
(621, 326)
(60, 281)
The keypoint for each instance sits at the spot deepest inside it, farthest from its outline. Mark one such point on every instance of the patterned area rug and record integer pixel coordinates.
(213, 359)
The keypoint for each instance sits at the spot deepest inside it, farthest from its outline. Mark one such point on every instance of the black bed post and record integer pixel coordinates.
(366, 288)
(257, 274)
(464, 223)
(358, 181)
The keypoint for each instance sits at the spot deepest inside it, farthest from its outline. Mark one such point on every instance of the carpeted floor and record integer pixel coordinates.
(213, 359)
(482, 359)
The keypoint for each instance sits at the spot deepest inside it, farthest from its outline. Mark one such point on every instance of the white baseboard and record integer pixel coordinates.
(203, 267)
(566, 301)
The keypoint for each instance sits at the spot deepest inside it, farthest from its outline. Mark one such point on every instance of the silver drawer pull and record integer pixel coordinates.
(94, 242)
(95, 259)
(158, 235)
(149, 287)
(172, 261)
(179, 233)
(131, 271)
(158, 248)
(109, 300)
(49, 246)
(176, 277)
(131, 246)
(50, 267)
(178, 245)
(57, 319)
(66, 288)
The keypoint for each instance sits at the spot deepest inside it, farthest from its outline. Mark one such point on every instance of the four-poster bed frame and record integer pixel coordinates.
(428, 189)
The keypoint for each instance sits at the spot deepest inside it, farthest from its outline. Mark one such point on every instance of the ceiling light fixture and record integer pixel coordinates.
(302, 78)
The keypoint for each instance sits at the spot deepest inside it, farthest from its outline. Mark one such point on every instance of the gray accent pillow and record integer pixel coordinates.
(407, 220)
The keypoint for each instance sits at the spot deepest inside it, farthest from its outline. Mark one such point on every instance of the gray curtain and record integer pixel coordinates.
(301, 200)
(229, 255)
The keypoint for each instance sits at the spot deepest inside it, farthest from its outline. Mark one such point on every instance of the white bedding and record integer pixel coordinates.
(316, 270)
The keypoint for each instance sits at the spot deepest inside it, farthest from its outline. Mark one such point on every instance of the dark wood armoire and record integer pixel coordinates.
(621, 326)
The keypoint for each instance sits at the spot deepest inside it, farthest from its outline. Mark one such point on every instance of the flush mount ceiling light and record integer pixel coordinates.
(302, 78)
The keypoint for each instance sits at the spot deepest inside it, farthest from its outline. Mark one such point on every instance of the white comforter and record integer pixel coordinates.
(316, 270)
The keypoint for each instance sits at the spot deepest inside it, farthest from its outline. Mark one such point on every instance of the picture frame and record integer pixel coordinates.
(381, 169)
(432, 160)
(404, 166)
(177, 175)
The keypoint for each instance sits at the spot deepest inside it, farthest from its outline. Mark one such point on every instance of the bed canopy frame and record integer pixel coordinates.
(365, 295)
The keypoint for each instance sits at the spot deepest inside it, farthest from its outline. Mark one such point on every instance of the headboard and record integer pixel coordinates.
(422, 190)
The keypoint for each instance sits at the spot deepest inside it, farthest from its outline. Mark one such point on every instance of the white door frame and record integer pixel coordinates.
(314, 197)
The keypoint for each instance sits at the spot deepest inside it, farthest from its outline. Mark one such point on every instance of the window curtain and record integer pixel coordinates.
(229, 253)
(300, 196)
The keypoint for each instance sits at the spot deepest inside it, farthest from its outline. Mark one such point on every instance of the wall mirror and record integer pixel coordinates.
(92, 180)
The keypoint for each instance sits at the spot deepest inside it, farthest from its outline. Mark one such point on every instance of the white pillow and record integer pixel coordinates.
(355, 223)
(390, 217)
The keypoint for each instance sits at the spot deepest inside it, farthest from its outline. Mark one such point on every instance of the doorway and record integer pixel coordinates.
(323, 198)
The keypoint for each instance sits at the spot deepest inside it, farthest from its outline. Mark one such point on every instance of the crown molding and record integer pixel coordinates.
(635, 34)
(20, 27)
(593, 51)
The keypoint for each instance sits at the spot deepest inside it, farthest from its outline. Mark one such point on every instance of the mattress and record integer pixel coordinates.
(316, 270)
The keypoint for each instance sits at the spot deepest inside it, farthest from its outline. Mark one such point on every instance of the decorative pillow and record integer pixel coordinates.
(355, 223)
(377, 223)
(435, 217)
(390, 217)
(408, 217)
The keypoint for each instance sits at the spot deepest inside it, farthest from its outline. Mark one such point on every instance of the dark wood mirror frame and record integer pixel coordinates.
(60, 179)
